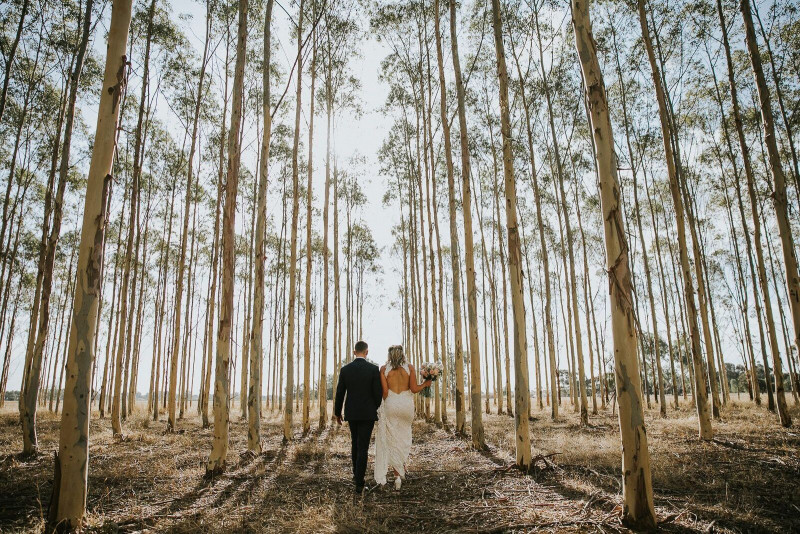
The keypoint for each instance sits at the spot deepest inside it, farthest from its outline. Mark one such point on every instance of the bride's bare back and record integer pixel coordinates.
(398, 381)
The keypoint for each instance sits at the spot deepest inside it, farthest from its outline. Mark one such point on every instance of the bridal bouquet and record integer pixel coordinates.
(431, 371)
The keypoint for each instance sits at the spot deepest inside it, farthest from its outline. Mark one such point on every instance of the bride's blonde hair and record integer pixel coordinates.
(396, 356)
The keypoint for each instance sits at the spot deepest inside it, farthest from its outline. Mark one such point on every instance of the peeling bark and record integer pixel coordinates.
(637, 489)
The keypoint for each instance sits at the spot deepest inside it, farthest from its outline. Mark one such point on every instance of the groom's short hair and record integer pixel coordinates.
(360, 347)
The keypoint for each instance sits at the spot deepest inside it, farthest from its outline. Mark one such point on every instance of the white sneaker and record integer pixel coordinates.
(397, 482)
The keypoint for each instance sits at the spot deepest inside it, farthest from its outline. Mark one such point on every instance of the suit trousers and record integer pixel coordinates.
(360, 434)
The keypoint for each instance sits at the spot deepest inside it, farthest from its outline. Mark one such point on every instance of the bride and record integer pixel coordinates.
(393, 440)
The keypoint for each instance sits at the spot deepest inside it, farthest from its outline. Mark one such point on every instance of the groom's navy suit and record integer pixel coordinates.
(361, 380)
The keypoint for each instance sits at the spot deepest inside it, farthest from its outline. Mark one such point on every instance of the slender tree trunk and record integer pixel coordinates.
(134, 374)
(778, 278)
(176, 346)
(638, 511)
(337, 304)
(663, 288)
(430, 175)
(219, 450)
(31, 391)
(206, 342)
(704, 421)
(159, 346)
(478, 440)
(486, 334)
(441, 302)
(536, 345)
(188, 354)
(289, 408)
(282, 264)
(780, 204)
(56, 367)
(108, 369)
(68, 502)
(159, 308)
(326, 253)
(573, 303)
(215, 248)
(502, 255)
(256, 345)
(9, 346)
(637, 206)
(309, 200)
(455, 256)
(248, 304)
(702, 295)
(542, 245)
(521, 389)
(679, 311)
(424, 314)
(587, 288)
(124, 341)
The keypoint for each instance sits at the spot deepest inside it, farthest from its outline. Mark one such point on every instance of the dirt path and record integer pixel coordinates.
(152, 481)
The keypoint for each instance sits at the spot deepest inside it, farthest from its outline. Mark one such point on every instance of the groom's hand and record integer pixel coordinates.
(339, 420)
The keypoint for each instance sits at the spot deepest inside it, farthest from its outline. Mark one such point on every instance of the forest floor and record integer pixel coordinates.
(746, 480)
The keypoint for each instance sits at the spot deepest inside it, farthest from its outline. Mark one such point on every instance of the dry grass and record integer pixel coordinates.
(747, 480)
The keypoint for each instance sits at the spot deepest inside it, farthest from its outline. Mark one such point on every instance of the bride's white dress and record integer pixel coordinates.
(393, 440)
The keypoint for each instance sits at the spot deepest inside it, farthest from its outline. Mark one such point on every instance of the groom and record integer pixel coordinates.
(361, 380)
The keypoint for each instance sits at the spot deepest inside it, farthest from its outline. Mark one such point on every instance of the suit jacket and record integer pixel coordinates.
(361, 380)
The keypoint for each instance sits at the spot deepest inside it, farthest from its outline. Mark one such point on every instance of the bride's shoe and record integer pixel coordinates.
(397, 482)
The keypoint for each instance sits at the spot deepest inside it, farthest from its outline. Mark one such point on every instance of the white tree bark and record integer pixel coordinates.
(637, 487)
(290, 314)
(521, 390)
(257, 334)
(219, 449)
(68, 503)
(478, 440)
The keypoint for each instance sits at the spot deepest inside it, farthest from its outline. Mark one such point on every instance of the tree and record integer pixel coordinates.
(521, 390)
(289, 395)
(125, 320)
(704, 421)
(219, 450)
(70, 484)
(176, 338)
(33, 372)
(574, 319)
(645, 259)
(537, 195)
(637, 487)
(779, 202)
(478, 440)
(256, 344)
(309, 262)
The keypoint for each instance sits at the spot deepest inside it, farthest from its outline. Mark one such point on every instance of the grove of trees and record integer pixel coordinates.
(591, 207)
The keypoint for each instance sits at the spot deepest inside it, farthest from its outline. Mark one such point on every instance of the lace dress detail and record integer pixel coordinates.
(393, 439)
